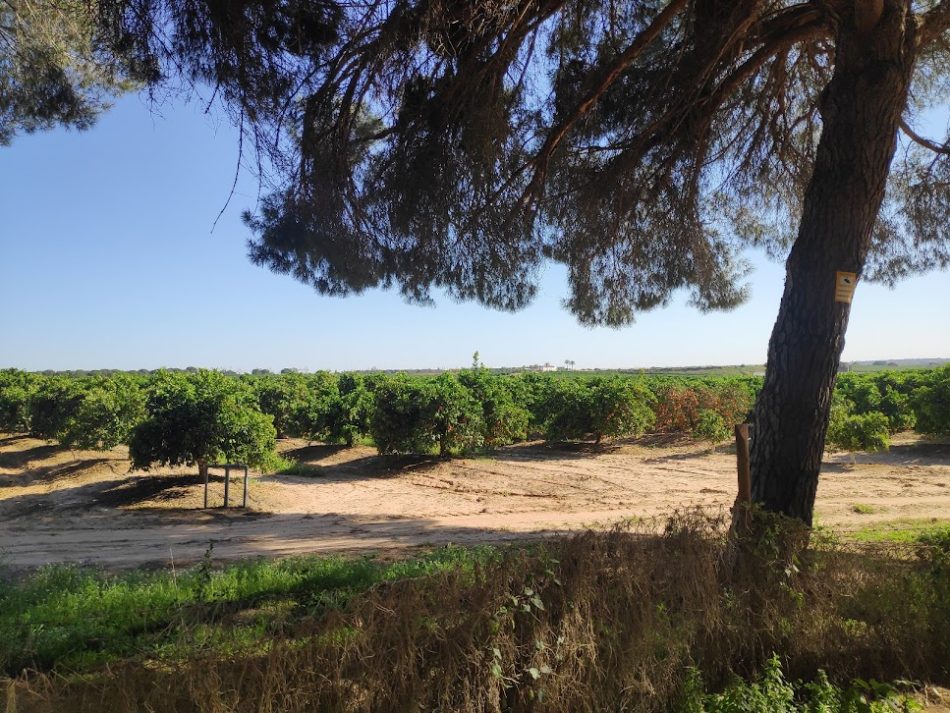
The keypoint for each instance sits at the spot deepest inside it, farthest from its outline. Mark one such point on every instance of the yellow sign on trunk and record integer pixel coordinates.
(844, 286)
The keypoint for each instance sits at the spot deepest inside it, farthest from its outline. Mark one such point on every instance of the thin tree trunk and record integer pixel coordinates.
(203, 476)
(860, 108)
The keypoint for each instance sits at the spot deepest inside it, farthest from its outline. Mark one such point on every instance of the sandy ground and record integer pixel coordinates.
(59, 505)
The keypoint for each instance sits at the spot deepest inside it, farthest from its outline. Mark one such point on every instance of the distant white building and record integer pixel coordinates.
(548, 367)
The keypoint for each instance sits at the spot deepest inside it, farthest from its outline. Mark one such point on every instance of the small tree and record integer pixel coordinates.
(454, 415)
(54, 405)
(400, 417)
(107, 414)
(932, 403)
(201, 418)
(603, 407)
(286, 399)
(503, 420)
(350, 413)
(16, 389)
(619, 407)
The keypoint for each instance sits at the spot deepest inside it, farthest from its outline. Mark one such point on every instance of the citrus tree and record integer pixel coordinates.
(108, 412)
(201, 418)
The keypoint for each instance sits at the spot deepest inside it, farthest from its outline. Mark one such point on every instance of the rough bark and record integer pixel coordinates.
(861, 108)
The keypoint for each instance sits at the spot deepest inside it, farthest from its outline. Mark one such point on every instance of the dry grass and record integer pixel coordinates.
(598, 621)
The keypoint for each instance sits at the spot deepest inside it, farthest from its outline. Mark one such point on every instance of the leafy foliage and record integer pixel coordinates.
(852, 432)
(399, 423)
(476, 408)
(107, 414)
(773, 693)
(54, 405)
(286, 399)
(711, 426)
(932, 403)
(707, 411)
(350, 412)
(55, 68)
(16, 391)
(415, 417)
(602, 407)
(203, 417)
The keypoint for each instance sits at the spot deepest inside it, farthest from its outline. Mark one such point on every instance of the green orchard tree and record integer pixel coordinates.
(201, 418)
(110, 409)
(54, 405)
(350, 413)
(16, 390)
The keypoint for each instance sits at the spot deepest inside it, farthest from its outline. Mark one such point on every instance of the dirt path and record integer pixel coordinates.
(58, 505)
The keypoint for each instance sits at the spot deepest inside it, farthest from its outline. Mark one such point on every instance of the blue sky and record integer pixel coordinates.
(107, 259)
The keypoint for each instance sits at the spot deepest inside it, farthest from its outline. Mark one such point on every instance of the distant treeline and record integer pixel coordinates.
(211, 416)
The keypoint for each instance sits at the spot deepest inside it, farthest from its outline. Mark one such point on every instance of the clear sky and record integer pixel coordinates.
(107, 260)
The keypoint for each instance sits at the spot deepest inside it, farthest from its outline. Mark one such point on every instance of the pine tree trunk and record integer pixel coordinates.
(860, 109)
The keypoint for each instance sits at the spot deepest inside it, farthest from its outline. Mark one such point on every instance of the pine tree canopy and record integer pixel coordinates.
(459, 143)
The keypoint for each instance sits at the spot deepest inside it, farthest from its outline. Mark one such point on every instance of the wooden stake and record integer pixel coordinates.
(742, 462)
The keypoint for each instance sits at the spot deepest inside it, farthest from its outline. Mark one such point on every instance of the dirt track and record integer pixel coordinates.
(60, 505)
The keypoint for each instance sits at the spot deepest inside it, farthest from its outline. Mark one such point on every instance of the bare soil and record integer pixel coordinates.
(59, 505)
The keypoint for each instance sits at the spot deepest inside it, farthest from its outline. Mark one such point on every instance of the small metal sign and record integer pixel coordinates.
(844, 286)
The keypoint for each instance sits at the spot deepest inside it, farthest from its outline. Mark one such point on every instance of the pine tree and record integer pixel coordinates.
(458, 144)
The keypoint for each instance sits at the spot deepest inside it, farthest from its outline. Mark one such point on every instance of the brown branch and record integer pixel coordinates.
(610, 75)
(923, 140)
(762, 55)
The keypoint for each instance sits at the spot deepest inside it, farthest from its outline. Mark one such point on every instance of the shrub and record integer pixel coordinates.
(204, 418)
(454, 415)
(16, 389)
(677, 409)
(858, 432)
(611, 407)
(503, 420)
(53, 406)
(899, 410)
(107, 414)
(885, 393)
(399, 421)
(710, 426)
(322, 393)
(619, 407)
(285, 399)
(931, 403)
(707, 411)
(349, 413)
(418, 415)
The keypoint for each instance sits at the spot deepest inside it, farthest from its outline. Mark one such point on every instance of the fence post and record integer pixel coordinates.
(742, 463)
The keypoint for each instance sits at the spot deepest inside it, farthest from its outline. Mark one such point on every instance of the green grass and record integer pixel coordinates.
(292, 467)
(902, 530)
(864, 509)
(72, 618)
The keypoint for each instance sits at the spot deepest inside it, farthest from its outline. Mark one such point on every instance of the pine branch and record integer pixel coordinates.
(924, 141)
